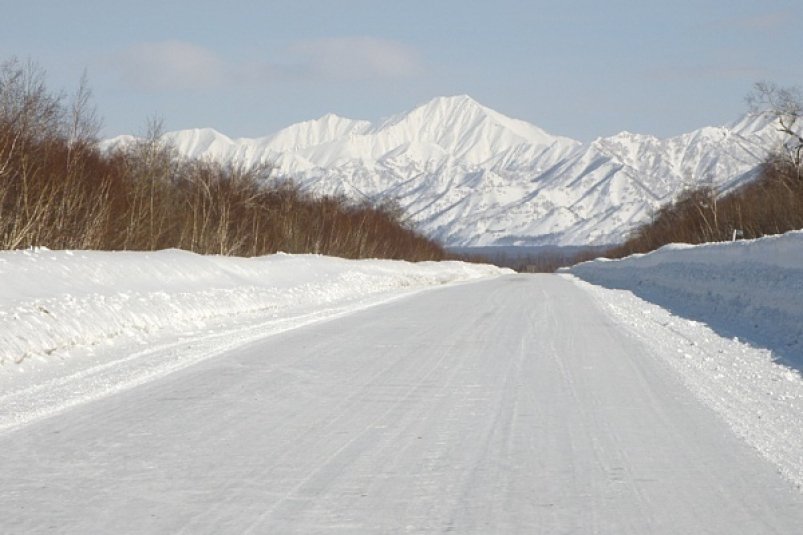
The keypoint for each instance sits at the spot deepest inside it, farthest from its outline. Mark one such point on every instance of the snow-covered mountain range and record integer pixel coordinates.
(468, 175)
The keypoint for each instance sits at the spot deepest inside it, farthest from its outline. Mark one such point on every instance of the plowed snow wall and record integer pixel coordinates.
(750, 289)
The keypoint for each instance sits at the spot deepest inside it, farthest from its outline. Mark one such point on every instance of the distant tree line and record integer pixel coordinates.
(770, 204)
(58, 190)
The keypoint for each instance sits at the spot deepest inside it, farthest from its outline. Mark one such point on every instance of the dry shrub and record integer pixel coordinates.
(59, 191)
(771, 204)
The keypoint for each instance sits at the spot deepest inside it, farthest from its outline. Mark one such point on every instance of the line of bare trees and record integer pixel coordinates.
(770, 204)
(58, 190)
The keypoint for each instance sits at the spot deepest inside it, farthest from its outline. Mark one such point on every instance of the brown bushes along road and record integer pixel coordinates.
(58, 190)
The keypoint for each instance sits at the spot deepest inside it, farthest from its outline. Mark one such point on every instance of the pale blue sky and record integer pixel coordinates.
(582, 68)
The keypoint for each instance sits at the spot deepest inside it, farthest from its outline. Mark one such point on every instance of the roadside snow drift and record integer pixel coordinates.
(750, 289)
(713, 298)
(55, 300)
(77, 326)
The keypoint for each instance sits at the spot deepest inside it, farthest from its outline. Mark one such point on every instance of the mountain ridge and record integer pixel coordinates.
(468, 175)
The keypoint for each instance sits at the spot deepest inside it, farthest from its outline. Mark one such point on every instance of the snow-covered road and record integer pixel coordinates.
(516, 404)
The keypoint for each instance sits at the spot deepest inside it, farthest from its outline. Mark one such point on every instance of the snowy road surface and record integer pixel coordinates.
(509, 405)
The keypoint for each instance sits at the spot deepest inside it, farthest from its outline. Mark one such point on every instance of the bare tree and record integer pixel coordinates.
(25, 102)
(84, 122)
(785, 106)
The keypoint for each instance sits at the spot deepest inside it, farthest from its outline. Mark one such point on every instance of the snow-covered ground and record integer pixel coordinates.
(730, 322)
(79, 325)
(490, 404)
(748, 289)
(509, 405)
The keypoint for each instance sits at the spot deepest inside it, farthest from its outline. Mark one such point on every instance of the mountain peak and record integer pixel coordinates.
(332, 118)
(753, 123)
(454, 102)
(325, 129)
(451, 120)
(438, 110)
(198, 139)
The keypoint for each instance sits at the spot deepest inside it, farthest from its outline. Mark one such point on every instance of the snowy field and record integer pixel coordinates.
(729, 319)
(76, 326)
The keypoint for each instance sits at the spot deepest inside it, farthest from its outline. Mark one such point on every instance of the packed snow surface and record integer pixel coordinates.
(730, 321)
(79, 325)
(468, 175)
(515, 404)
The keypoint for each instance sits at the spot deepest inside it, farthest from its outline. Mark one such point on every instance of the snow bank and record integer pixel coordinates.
(79, 326)
(748, 289)
(712, 299)
(53, 302)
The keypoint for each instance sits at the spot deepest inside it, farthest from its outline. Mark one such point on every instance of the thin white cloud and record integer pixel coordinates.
(180, 66)
(170, 65)
(355, 58)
